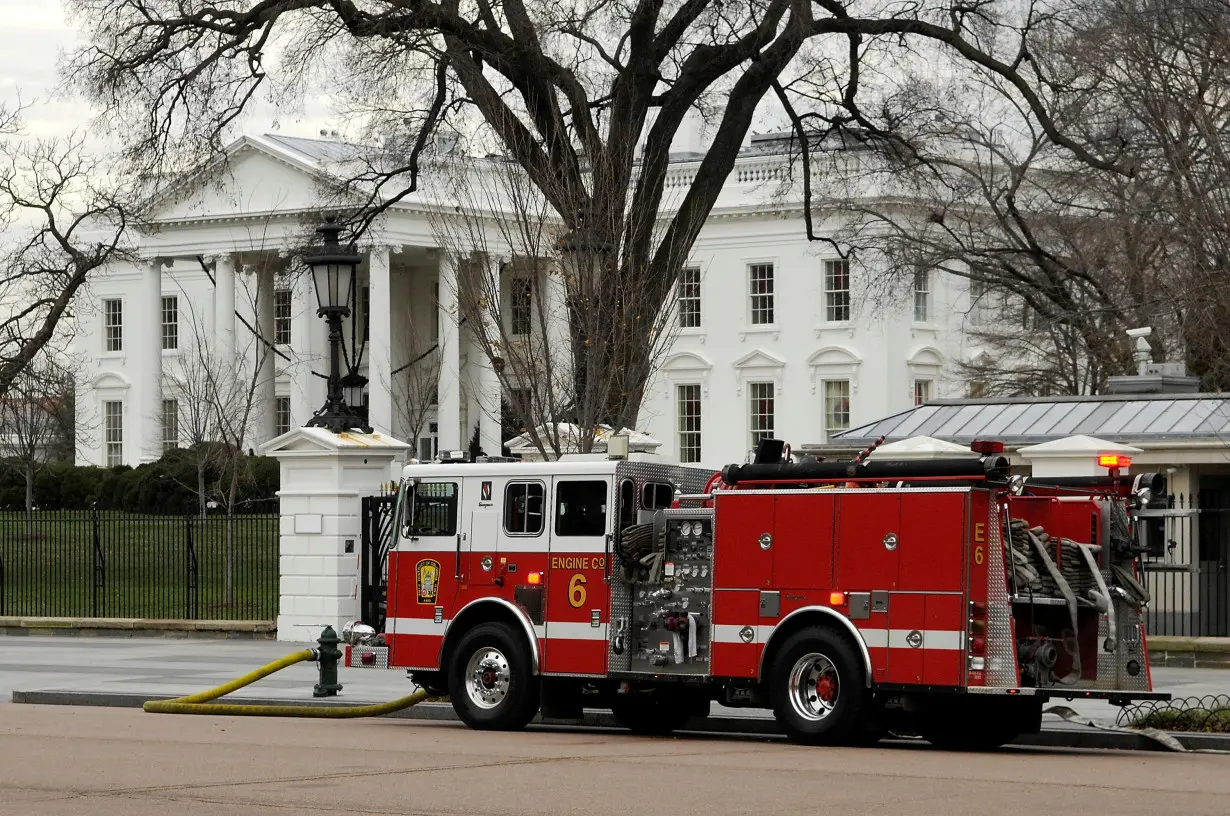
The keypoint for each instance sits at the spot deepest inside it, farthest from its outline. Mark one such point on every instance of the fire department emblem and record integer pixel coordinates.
(914, 639)
(427, 580)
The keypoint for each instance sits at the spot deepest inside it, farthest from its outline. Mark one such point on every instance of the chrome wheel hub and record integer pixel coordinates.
(487, 677)
(814, 687)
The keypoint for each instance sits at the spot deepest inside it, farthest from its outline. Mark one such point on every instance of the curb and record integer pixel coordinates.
(1189, 652)
(21, 626)
(1062, 736)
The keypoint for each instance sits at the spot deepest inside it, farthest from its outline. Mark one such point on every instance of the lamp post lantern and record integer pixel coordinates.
(333, 275)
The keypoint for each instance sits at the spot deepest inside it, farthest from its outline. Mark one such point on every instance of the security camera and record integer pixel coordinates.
(1145, 332)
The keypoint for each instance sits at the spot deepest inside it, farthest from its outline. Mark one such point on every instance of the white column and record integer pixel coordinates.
(145, 417)
(559, 333)
(486, 382)
(450, 358)
(224, 307)
(380, 342)
(264, 406)
(302, 325)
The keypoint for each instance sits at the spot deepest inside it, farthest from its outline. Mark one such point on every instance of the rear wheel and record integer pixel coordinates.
(491, 682)
(818, 688)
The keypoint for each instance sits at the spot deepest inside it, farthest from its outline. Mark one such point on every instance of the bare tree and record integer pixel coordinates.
(586, 97)
(37, 422)
(61, 218)
(191, 382)
(1071, 254)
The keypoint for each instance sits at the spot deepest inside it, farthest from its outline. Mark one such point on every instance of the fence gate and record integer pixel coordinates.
(374, 558)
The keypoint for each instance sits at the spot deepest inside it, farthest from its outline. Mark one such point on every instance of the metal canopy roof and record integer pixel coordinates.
(1115, 418)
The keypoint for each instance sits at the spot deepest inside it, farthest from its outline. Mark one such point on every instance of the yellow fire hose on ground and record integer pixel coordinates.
(199, 703)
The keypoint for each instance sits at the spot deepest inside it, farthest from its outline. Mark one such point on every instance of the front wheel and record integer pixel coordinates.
(491, 682)
(818, 688)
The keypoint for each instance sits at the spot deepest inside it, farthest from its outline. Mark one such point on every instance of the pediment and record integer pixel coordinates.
(833, 356)
(110, 379)
(926, 356)
(251, 179)
(686, 361)
(759, 359)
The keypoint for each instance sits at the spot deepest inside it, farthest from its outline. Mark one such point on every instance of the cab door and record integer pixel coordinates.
(425, 570)
(577, 600)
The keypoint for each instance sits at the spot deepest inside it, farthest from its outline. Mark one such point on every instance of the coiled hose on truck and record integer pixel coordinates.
(199, 703)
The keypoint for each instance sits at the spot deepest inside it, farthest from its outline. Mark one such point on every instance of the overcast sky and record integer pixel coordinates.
(34, 35)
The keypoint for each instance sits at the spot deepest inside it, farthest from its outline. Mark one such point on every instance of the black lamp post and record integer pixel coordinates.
(333, 273)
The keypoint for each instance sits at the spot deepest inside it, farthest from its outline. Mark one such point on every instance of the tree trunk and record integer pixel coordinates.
(29, 501)
(230, 530)
(200, 486)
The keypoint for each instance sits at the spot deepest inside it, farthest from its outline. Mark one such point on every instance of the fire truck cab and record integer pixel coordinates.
(945, 598)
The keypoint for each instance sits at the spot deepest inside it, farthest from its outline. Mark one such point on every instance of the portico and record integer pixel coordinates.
(218, 280)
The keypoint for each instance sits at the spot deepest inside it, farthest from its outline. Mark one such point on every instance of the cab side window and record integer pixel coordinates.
(580, 508)
(523, 508)
(432, 510)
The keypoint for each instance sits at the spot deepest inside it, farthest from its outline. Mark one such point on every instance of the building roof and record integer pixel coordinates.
(1115, 418)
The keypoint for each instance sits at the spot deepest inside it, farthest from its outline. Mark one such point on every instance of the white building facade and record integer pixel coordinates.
(777, 336)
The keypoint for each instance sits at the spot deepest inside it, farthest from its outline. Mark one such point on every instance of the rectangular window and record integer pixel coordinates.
(281, 317)
(170, 424)
(761, 277)
(282, 418)
(113, 322)
(689, 298)
(922, 295)
(366, 297)
(689, 423)
(522, 306)
(836, 406)
(432, 510)
(922, 392)
(836, 291)
(580, 508)
(114, 414)
(761, 411)
(523, 505)
(170, 323)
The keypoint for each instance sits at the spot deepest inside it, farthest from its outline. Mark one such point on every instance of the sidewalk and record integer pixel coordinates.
(175, 667)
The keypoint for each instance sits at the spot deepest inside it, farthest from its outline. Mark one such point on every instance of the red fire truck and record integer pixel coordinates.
(947, 598)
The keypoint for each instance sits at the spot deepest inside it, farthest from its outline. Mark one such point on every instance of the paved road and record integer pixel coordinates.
(174, 666)
(122, 762)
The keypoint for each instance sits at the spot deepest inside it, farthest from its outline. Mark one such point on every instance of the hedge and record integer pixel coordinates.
(167, 485)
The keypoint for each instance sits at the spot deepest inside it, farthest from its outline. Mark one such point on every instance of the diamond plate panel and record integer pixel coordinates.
(1112, 668)
(1001, 651)
(687, 480)
(381, 660)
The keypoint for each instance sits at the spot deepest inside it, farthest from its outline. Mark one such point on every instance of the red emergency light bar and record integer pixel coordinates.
(987, 446)
(1114, 460)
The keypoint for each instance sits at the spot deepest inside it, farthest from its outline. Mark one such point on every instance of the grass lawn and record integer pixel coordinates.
(146, 572)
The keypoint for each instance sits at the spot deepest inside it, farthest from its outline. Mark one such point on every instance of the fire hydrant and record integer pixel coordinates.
(328, 656)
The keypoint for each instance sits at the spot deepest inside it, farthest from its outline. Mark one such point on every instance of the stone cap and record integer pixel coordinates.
(921, 447)
(1072, 456)
(307, 441)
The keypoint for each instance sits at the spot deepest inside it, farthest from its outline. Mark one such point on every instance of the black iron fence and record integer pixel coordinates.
(1188, 569)
(120, 565)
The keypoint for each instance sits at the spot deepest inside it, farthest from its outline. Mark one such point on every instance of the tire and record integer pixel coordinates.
(655, 713)
(818, 688)
(491, 682)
